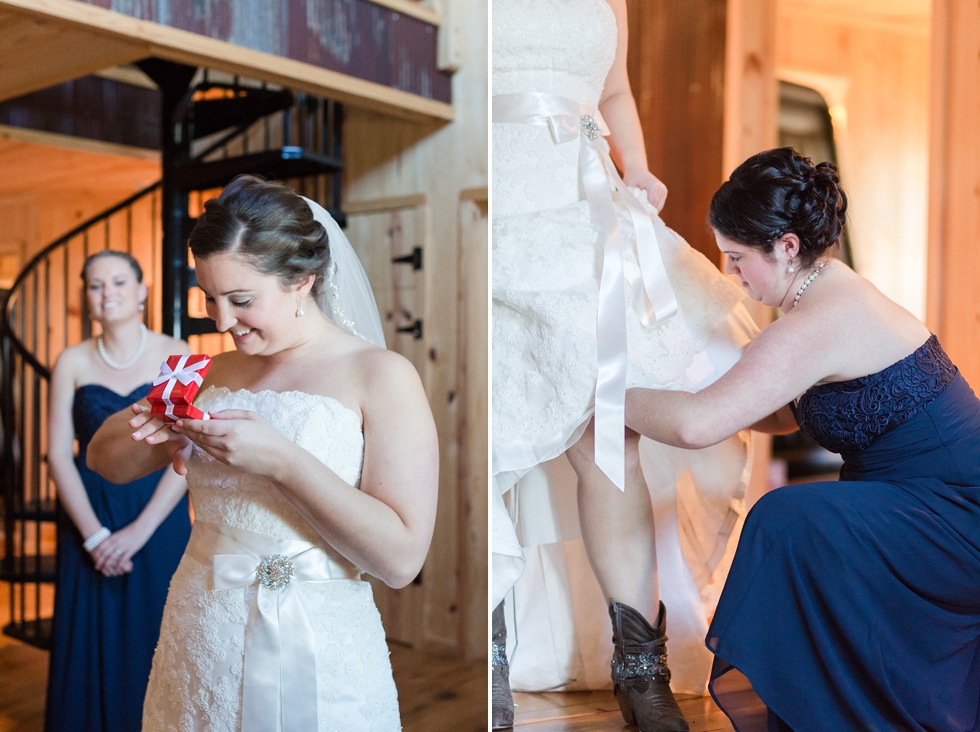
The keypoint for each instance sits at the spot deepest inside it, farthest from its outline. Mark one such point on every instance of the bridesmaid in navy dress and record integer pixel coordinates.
(851, 604)
(123, 542)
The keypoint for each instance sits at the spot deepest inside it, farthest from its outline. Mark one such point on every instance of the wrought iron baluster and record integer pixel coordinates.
(19, 499)
(64, 277)
(36, 492)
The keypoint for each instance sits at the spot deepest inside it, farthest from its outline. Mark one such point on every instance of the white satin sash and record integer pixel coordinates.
(280, 660)
(653, 297)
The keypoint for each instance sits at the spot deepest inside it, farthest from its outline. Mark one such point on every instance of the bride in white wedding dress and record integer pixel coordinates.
(319, 462)
(592, 294)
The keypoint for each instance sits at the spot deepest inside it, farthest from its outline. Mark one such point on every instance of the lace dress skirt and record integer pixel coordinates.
(199, 664)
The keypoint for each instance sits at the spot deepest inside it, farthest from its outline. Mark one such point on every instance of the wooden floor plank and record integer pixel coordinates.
(435, 694)
(597, 711)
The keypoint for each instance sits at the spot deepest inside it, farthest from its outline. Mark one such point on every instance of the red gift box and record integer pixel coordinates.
(174, 389)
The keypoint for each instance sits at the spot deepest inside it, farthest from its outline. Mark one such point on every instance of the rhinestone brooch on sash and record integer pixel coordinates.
(275, 572)
(590, 128)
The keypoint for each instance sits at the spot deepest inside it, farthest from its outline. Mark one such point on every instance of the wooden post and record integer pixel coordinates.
(751, 89)
(677, 71)
(473, 298)
(751, 126)
(953, 298)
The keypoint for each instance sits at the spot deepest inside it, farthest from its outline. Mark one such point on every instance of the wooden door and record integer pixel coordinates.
(389, 238)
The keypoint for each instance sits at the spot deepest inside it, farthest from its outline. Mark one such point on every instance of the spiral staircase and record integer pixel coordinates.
(211, 132)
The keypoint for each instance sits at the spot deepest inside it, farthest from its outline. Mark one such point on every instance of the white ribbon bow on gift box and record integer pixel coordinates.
(653, 297)
(181, 373)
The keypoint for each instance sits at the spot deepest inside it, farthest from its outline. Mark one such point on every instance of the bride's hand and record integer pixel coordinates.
(155, 431)
(239, 438)
(656, 191)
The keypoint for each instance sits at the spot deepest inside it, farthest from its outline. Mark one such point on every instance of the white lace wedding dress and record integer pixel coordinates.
(546, 272)
(201, 663)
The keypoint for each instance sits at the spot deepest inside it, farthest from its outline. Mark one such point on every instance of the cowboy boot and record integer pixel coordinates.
(641, 679)
(502, 701)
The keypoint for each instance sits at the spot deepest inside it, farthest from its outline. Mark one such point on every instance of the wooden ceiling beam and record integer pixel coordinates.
(36, 52)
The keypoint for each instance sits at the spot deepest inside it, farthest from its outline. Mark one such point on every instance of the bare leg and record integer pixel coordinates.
(617, 527)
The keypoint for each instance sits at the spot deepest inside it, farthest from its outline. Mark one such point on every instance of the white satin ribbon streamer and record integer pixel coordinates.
(653, 297)
(280, 660)
(184, 374)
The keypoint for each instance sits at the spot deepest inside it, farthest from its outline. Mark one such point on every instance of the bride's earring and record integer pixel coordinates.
(791, 269)
(299, 312)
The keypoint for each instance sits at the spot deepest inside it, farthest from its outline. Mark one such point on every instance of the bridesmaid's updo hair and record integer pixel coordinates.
(777, 192)
(125, 256)
(269, 225)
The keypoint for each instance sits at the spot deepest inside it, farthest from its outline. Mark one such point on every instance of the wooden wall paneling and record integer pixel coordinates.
(954, 184)
(390, 158)
(442, 622)
(875, 79)
(473, 374)
(750, 126)
(677, 71)
(18, 232)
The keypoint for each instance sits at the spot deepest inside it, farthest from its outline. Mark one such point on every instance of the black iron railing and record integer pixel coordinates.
(44, 313)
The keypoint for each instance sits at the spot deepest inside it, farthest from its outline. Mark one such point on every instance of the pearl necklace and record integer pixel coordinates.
(122, 366)
(813, 275)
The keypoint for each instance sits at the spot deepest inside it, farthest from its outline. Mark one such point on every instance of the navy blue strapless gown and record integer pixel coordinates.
(106, 628)
(855, 604)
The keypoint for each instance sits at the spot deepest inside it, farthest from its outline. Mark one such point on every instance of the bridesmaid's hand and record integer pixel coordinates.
(239, 438)
(155, 431)
(113, 556)
(656, 191)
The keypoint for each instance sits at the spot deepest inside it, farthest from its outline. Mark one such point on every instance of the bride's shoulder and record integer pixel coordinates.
(377, 375)
(379, 366)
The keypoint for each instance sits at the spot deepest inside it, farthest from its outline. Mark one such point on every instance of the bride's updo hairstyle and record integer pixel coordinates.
(269, 225)
(778, 192)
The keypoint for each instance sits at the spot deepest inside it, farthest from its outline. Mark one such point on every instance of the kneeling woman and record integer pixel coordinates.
(855, 604)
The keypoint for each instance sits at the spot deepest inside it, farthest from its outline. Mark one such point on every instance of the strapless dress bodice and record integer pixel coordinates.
(850, 416)
(320, 425)
(561, 47)
(94, 404)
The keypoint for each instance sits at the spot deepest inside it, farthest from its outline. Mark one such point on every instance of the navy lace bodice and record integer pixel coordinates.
(94, 404)
(848, 416)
